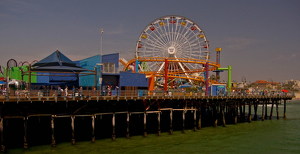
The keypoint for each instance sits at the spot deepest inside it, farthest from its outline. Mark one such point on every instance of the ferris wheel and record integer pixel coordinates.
(176, 38)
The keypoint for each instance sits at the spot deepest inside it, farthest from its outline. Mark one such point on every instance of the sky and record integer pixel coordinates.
(259, 38)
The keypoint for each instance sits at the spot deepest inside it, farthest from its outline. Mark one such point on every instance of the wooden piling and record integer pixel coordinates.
(266, 109)
(255, 110)
(195, 120)
(145, 124)
(215, 115)
(199, 120)
(113, 136)
(284, 109)
(53, 142)
(249, 112)
(2, 146)
(241, 112)
(183, 120)
(277, 112)
(128, 125)
(271, 112)
(222, 108)
(158, 124)
(171, 122)
(93, 129)
(25, 133)
(244, 111)
(235, 113)
(73, 129)
(262, 111)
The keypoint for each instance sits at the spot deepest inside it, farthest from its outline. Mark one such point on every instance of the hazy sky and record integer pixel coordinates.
(260, 38)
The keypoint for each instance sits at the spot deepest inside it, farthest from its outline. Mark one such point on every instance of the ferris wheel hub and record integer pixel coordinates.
(171, 50)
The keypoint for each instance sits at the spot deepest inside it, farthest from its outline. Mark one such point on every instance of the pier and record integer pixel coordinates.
(36, 119)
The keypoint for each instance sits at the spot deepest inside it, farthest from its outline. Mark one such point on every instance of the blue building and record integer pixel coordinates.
(57, 69)
(107, 68)
(90, 64)
(105, 73)
(108, 74)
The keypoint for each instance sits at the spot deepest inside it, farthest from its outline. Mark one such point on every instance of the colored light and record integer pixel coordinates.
(144, 36)
(201, 36)
(183, 23)
(152, 28)
(140, 46)
(193, 28)
(218, 49)
(172, 21)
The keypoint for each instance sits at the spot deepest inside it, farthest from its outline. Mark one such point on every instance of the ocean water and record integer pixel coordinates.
(269, 136)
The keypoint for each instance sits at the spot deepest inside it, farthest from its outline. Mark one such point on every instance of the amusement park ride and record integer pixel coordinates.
(173, 51)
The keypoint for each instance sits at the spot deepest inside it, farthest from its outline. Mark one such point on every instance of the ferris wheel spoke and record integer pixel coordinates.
(153, 45)
(166, 32)
(161, 67)
(180, 30)
(158, 36)
(183, 69)
(155, 40)
(191, 44)
(175, 27)
(155, 33)
(151, 66)
(184, 40)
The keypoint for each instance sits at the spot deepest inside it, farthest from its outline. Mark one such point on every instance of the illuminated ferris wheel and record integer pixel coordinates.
(175, 38)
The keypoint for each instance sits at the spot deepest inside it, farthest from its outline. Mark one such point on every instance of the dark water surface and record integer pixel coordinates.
(269, 136)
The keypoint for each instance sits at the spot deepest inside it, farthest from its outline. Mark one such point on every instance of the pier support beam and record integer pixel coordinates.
(2, 146)
(244, 111)
(128, 125)
(263, 111)
(235, 108)
(271, 112)
(158, 124)
(249, 112)
(277, 112)
(73, 129)
(195, 120)
(183, 120)
(284, 109)
(25, 133)
(255, 110)
(113, 136)
(53, 142)
(222, 108)
(199, 120)
(171, 122)
(241, 112)
(93, 129)
(145, 124)
(215, 115)
(266, 109)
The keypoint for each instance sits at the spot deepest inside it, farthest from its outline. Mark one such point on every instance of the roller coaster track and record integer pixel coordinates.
(176, 74)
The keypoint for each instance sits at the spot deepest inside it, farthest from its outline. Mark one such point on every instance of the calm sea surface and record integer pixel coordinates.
(269, 136)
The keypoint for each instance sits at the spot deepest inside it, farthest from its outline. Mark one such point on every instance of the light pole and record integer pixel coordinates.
(101, 38)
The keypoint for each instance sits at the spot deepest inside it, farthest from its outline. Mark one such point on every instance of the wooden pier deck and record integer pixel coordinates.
(52, 117)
